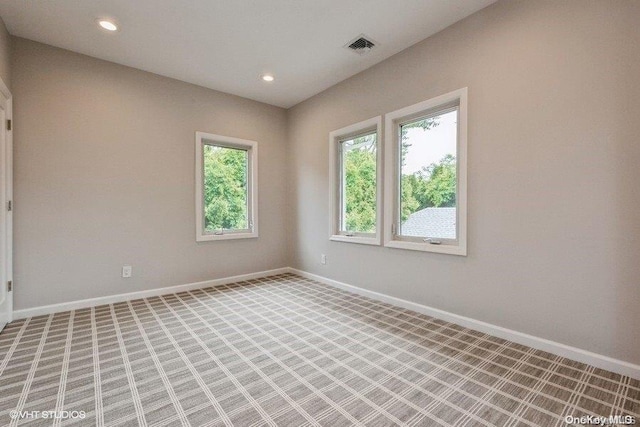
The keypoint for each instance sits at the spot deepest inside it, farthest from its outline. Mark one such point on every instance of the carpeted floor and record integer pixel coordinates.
(286, 351)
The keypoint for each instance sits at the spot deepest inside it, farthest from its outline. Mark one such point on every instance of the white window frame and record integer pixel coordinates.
(251, 147)
(393, 121)
(335, 165)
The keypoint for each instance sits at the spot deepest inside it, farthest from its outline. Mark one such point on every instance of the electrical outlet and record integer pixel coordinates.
(323, 259)
(127, 271)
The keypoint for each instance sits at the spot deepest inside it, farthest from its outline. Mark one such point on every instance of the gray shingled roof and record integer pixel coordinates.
(431, 222)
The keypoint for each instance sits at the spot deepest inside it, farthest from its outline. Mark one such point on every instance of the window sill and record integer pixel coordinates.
(427, 247)
(356, 239)
(229, 236)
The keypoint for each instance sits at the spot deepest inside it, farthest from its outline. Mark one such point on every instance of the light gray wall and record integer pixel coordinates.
(5, 55)
(104, 176)
(554, 205)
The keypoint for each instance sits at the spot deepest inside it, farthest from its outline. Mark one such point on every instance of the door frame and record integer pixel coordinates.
(6, 180)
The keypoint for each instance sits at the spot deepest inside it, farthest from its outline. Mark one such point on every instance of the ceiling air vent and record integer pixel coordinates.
(361, 44)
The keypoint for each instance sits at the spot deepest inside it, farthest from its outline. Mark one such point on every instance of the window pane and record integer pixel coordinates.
(225, 188)
(428, 176)
(358, 180)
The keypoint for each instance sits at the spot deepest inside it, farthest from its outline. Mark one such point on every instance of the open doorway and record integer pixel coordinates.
(6, 207)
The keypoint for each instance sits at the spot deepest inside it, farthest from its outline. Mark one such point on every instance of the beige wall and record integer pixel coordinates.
(554, 234)
(5, 55)
(104, 176)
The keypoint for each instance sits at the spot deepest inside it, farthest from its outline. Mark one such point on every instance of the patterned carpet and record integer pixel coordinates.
(286, 351)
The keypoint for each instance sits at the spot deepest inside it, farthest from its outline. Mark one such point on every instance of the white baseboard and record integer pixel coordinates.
(110, 299)
(578, 354)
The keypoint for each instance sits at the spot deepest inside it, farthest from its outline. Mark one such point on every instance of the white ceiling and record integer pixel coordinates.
(227, 44)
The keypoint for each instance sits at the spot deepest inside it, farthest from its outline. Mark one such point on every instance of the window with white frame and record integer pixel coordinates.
(425, 167)
(226, 187)
(356, 187)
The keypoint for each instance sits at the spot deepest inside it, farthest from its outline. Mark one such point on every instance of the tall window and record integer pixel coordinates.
(226, 184)
(358, 170)
(426, 167)
(355, 182)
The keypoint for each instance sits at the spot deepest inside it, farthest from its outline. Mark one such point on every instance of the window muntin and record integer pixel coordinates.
(226, 187)
(359, 184)
(355, 171)
(428, 177)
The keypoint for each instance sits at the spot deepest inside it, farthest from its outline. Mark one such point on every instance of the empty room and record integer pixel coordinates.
(319, 213)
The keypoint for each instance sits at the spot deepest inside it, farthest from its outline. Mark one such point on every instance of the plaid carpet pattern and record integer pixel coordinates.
(287, 351)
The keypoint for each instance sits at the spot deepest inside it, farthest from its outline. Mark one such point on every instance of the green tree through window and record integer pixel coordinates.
(225, 188)
(359, 157)
(432, 186)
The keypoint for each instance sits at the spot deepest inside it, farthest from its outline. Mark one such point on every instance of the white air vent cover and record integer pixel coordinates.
(361, 44)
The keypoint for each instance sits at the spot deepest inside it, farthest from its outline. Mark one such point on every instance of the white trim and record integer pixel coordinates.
(252, 148)
(426, 247)
(356, 239)
(6, 181)
(374, 123)
(574, 353)
(111, 299)
(391, 174)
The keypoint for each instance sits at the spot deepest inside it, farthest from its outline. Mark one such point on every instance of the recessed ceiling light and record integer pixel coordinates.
(107, 25)
(268, 77)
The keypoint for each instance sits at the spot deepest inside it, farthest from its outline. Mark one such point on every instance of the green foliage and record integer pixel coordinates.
(225, 188)
(440, 187)
(433, 186)
(410, 187)
(225, 184)
(360, 184)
